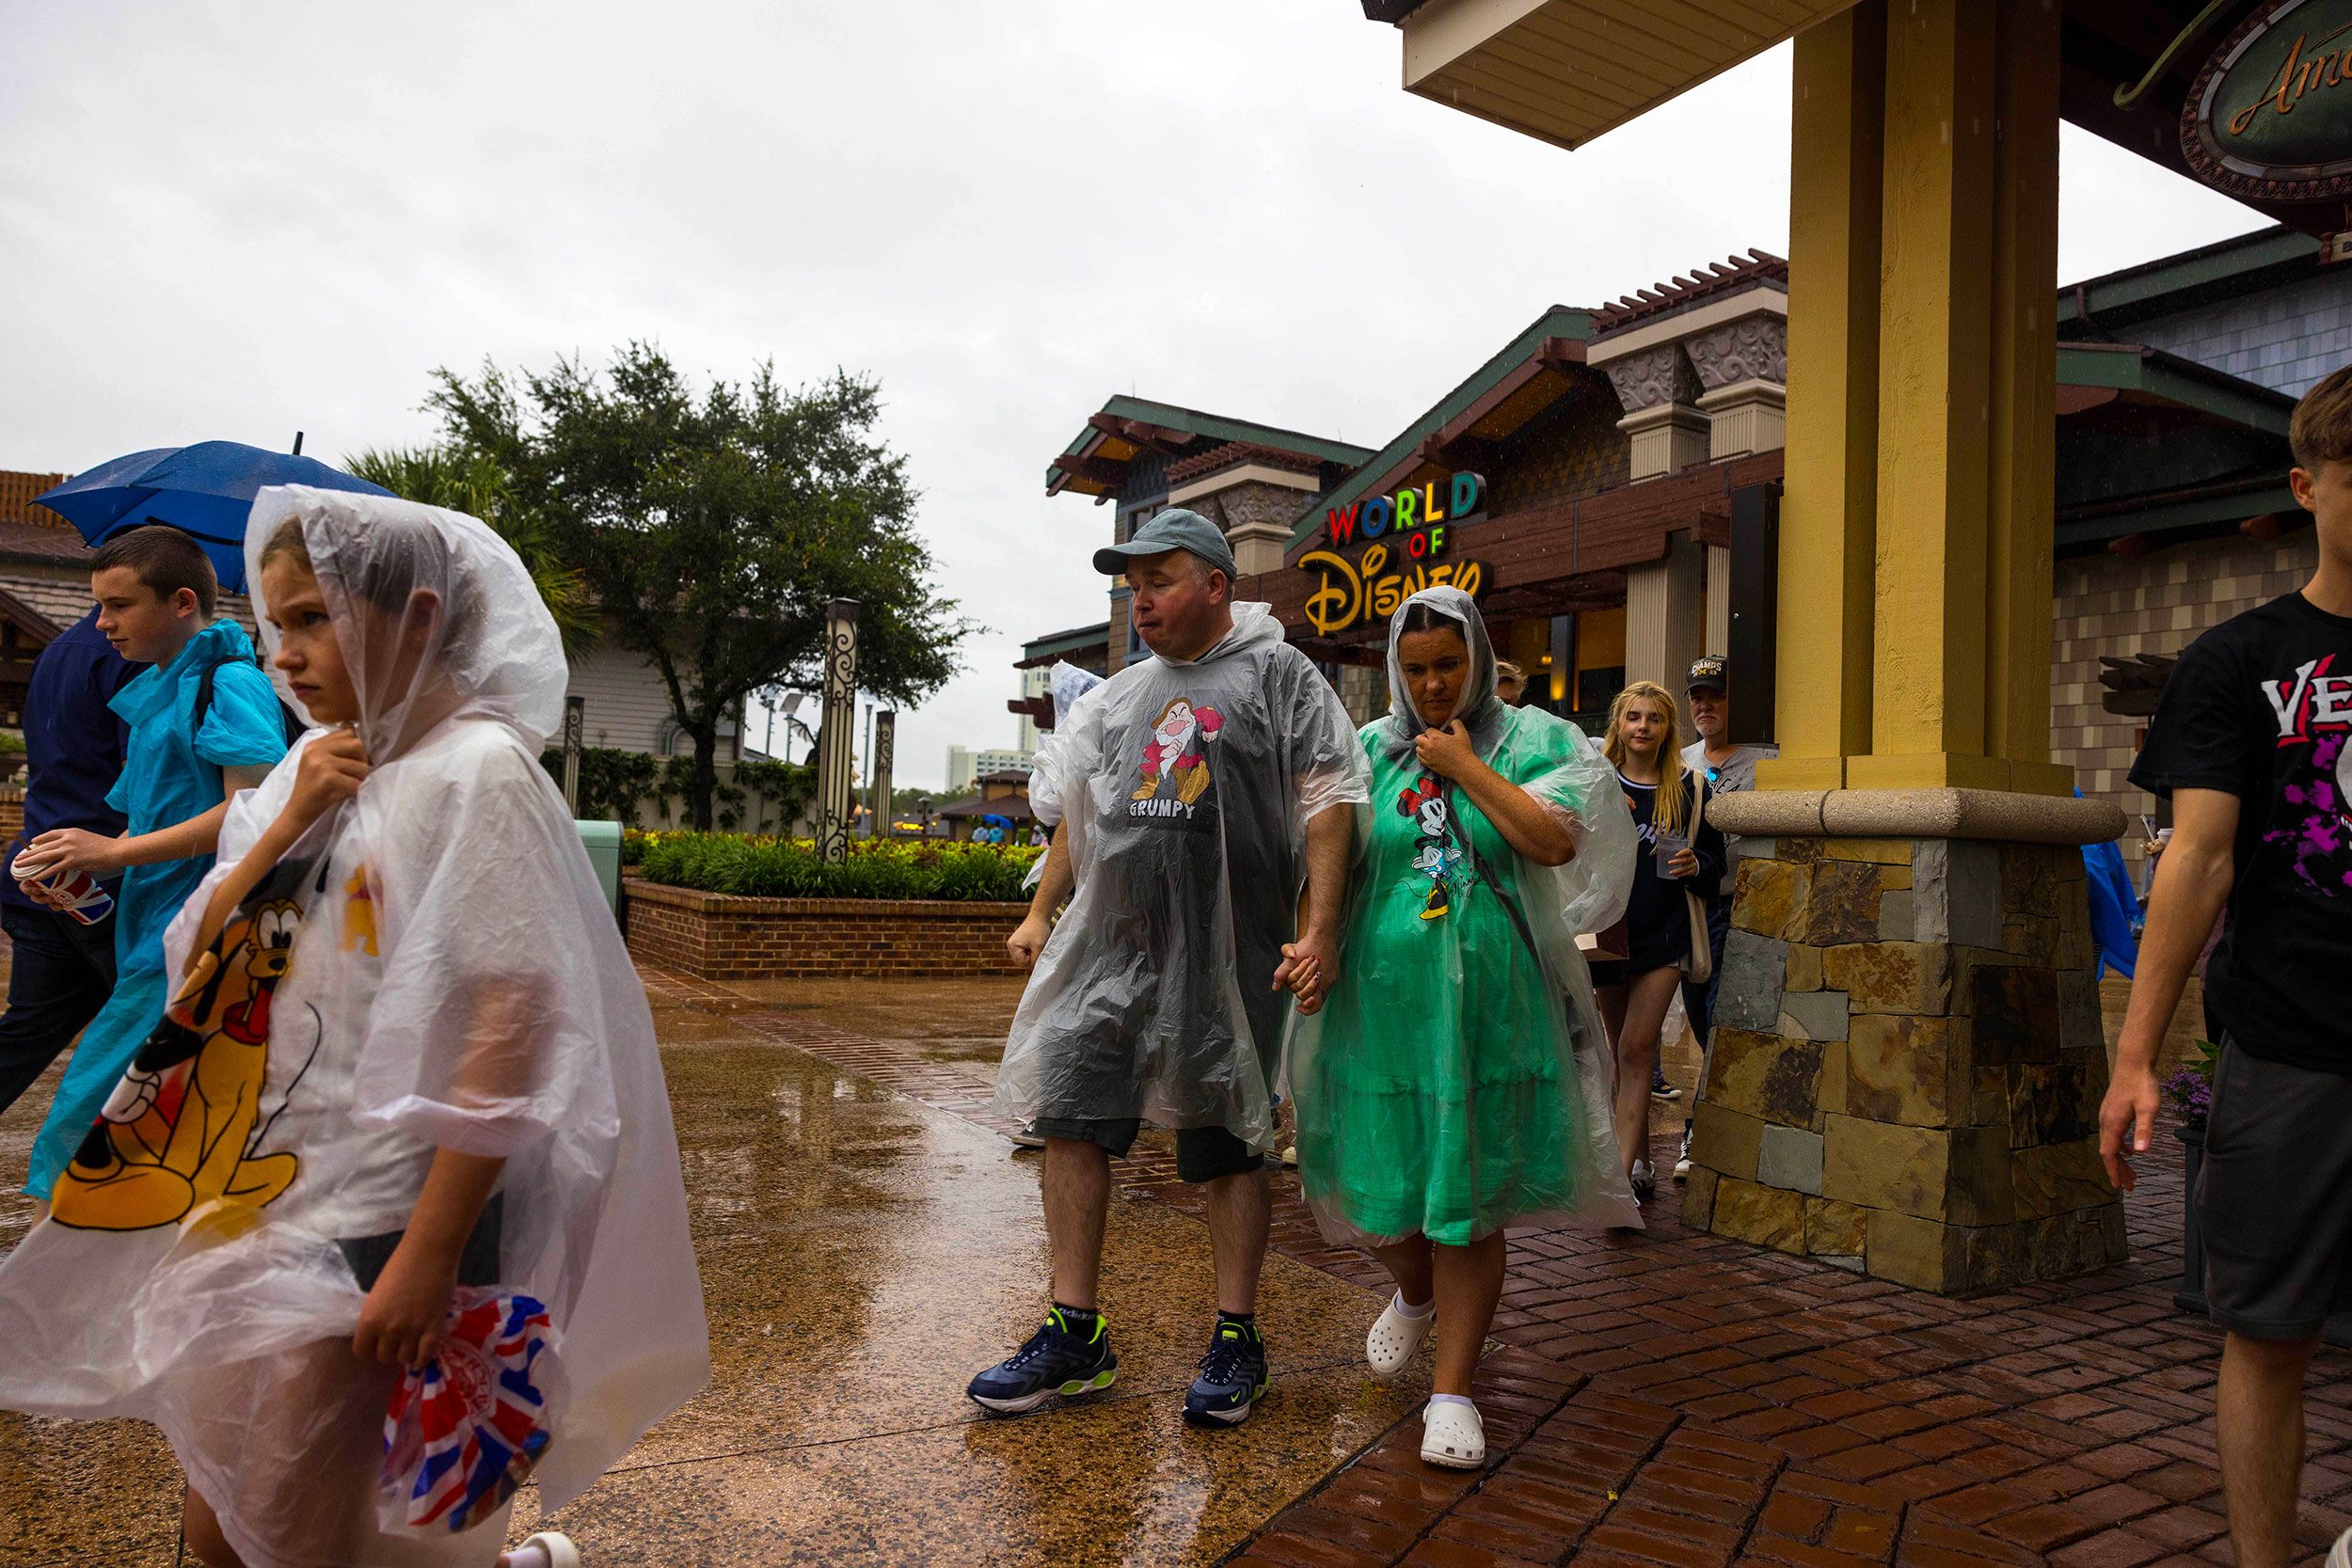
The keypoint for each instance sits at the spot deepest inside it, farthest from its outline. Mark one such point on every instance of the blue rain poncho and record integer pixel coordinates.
(171, 772)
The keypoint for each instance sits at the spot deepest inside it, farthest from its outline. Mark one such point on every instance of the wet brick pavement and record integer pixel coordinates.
(1673, 1400)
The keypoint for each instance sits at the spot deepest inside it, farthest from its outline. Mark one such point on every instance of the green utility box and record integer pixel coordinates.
(602, 841)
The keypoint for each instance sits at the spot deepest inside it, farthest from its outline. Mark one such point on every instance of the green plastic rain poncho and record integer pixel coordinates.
(1458, 1080)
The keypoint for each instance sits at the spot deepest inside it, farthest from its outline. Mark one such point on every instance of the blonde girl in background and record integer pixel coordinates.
(1644, 744)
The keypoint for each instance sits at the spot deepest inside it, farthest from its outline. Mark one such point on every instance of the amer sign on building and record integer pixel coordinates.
(2270, 115)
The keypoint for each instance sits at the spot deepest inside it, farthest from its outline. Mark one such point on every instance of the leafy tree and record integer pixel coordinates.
(712, 529)
(472, 483)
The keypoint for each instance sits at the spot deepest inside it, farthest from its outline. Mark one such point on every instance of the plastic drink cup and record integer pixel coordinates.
(83, 899)
(1669, 845)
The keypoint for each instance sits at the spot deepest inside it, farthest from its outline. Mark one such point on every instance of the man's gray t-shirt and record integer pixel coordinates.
(1735, 773)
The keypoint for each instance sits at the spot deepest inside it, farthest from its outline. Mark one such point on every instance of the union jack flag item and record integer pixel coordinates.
(465, 1429)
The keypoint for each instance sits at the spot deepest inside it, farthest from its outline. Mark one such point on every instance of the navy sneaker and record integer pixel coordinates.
(1055, 1361)
(1232, 1377)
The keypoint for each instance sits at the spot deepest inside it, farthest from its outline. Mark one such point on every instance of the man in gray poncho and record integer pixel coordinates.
(1193, 790)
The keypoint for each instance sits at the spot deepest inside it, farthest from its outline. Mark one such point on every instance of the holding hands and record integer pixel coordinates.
(1309, 966)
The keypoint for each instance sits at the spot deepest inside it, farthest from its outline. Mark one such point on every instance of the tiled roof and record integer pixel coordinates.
(1233, 454)
(41, 542)
(17, 490)
(1716, 277)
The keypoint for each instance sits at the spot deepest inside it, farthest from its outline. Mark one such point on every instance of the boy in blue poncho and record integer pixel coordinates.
(204, 724)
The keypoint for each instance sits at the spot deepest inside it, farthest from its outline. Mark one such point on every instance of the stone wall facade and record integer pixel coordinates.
(719, 937)
(1908, 1063)
(12, 814)
(2153, 604)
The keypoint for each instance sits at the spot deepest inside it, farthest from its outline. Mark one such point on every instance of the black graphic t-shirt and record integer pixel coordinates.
(2261, 707)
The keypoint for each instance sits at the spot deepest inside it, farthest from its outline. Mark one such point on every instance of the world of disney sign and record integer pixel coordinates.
(1407, 534)
(2270, 114)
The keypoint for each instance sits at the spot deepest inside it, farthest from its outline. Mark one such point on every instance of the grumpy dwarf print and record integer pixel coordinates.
(2313, 707)
(1435, 853)
(1175, 762)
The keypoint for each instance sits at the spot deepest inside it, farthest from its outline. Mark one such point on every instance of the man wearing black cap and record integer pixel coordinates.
(1728, 770)
(1194, 791)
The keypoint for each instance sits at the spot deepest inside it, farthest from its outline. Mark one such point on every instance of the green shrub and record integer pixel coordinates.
(759, 868)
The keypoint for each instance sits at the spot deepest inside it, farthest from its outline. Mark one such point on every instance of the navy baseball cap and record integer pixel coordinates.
(1174, 529)
(1709, 669)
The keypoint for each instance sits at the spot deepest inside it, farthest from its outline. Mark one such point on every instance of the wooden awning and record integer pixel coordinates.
(1567, 71)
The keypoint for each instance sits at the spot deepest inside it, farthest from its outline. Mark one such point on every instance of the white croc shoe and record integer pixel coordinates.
(1394, 1338)
(546, 1549)
(2341, 1556)
(1453, 1436)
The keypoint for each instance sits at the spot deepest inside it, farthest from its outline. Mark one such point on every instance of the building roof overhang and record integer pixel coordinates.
(1095, 462)
(1531, 372)
(2227, 269)
(2152, 373)
(1567, 71)
(1054, 645)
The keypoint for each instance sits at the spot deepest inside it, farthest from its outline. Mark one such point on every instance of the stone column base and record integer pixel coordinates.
(1909, 1057)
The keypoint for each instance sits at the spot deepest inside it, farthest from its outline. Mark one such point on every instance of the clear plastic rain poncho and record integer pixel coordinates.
(1184, 791)
(432, 965)
(1458, 1080)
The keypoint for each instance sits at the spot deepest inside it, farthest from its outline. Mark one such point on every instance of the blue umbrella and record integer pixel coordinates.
(206, 490)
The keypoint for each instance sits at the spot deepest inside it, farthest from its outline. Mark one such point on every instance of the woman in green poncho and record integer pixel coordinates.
(1453, 1079)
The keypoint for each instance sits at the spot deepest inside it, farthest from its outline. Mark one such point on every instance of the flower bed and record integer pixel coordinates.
(764, 867)
(725, 907)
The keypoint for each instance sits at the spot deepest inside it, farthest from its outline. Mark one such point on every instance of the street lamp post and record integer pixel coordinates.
(835, 734)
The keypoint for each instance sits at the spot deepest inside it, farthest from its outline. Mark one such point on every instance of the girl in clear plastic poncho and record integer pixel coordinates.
(410, 1054)
(1455, 1080)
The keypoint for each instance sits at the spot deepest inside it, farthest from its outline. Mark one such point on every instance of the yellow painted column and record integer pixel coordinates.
(1828, 515)
(1935, 368)
(2024, 425)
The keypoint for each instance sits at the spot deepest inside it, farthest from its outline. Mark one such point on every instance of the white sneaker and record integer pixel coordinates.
(1645, 1182)
(1452, 1435)
(1395, 1337)
(1682, 1160)
(2341, 1555)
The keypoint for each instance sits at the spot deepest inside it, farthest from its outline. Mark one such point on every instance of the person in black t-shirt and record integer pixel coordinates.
(2252, 744)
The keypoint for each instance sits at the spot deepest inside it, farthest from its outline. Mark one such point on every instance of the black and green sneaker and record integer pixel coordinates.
(1232, 1376)
(1055, 1361)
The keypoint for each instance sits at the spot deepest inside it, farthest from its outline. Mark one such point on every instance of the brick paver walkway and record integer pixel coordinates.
(1671, 1401)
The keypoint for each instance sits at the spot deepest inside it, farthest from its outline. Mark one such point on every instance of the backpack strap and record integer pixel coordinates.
(204, 690)
(289, 720)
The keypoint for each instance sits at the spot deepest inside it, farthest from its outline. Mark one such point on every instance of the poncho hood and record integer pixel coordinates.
(1253, 624)
(1481, 711)
(438, 616)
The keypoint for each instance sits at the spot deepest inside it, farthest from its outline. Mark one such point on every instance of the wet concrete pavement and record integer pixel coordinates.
(863, 1254)
(865, 1248)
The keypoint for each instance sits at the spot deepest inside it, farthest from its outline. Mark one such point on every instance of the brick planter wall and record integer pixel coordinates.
(719, 937)
(11, 814)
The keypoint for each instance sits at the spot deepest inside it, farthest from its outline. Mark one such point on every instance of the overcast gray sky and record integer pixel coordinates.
(240, 220)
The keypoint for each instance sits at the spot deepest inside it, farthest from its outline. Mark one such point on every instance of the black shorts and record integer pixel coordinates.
(477, 1265)
(1203, 1153)
(2274, 1202)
